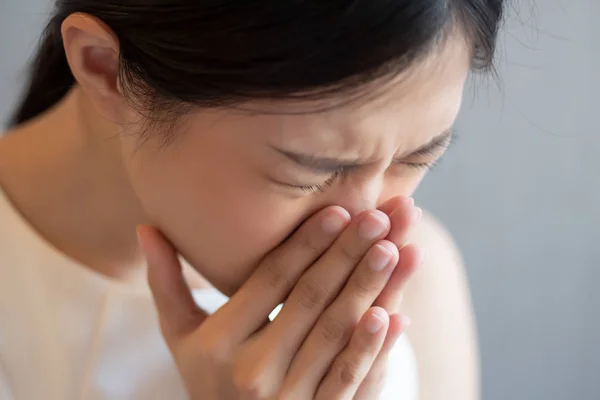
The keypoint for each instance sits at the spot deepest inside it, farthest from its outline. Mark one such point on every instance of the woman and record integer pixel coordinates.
(274, 145)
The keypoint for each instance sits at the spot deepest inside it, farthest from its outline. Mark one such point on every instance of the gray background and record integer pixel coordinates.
(519, 191)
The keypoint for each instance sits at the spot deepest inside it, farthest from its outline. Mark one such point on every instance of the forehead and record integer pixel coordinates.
(403, 114)
(416, 106)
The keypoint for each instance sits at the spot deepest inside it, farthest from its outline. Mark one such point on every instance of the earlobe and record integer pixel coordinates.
(92, 52)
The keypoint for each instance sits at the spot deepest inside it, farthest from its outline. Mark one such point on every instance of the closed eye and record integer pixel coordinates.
(422, 165)
(423, 158)
(321, 186)
(428, 156)
(434, 148)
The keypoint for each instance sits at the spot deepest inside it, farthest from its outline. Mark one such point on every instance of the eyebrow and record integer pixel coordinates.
(324, 165)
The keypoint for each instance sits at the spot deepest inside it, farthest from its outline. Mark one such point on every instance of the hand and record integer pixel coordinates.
(328, 336)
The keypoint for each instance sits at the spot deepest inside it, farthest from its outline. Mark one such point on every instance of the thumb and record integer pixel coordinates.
(177, 311)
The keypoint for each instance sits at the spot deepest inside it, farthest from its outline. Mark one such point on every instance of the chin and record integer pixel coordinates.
(222, 282)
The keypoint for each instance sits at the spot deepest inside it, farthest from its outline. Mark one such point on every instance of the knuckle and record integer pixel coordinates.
(350, 254)
(255, 372)
(311, 295)
(348, 372)
(375, 378)
(311, 243)
(275, 273)
(333, 330)
(363, 285)
(248, 384)
(214, 350)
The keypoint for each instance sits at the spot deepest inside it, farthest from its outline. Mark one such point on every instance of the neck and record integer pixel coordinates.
(64, 173)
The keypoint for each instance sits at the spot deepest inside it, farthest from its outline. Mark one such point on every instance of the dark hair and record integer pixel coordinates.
(224, 52)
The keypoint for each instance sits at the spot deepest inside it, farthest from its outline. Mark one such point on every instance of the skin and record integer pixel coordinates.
(220, 184)
(322, 345)
(443, 330)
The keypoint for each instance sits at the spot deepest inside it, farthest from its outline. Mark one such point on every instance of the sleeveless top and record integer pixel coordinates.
(69, 333)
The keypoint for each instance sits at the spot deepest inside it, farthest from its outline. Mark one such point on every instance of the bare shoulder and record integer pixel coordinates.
(434, 237)
(443, 258)
(443, 270)
(438, 301)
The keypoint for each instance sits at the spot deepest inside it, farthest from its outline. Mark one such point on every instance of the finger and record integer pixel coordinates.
(371, 386)
(278, 272)
(390, 205)
(403, 218)
(410, 257)
(403, 215)
(324, 280)
(178, 313)
(353, 364)
(398, 324)
(335, 326)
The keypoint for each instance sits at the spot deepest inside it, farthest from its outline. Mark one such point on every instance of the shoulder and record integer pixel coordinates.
(443, 333)
(442, 273)
(435, 238)
(443, 259)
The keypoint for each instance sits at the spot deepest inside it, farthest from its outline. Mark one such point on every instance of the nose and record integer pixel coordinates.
(369, 194)
(357, 197)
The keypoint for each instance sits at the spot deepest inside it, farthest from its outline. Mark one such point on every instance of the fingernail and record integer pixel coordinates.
(374, 323)
(423, 257)
(379, 258)
(400, 299)
(138, 235)
(411, 201)
(406, 321)
(148, 251)
(333, 223)
(418, 214)
(372, 226)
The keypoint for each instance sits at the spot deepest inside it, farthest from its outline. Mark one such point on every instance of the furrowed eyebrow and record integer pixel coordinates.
(325, 165)
(433, 147)
(320, 165)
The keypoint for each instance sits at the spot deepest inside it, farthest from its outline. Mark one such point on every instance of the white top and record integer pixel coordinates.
(68, 333)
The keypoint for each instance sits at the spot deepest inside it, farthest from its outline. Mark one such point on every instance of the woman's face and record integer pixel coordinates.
(232, 185)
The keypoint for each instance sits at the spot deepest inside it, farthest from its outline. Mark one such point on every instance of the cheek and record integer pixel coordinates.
(223, 219)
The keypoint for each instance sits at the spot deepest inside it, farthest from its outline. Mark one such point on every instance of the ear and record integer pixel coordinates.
(92, 51)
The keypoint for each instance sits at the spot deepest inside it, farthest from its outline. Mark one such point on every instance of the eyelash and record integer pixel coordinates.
(427, 166)
(322, 186)
(319, 188)
(424, 165)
